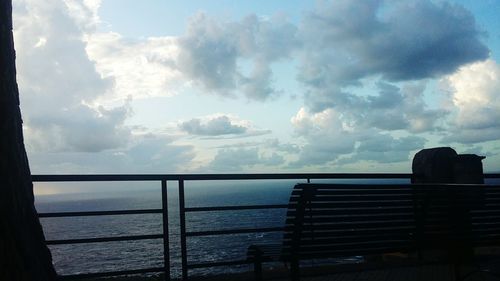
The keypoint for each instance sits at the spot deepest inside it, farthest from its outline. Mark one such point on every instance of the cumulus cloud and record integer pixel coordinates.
(475, 95)
(327, 137)
(220, 125)
(216, 126)
(67, 70)
(399, 40)
(147, 154)
(140, 68)
(80, 128)
(332, 141)
(241, 159)
(392, 108)
(279, 146)
(384, 148)
(52, 61)
(59, 83)
(396, 43)
(211, 52)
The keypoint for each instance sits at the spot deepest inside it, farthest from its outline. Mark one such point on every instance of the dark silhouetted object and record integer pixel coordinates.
(444, 165)
(23, 252)
(468, 168)
(382, 222)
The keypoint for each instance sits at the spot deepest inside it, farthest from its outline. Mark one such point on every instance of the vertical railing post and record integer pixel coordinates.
(166, 240)
(182, 222)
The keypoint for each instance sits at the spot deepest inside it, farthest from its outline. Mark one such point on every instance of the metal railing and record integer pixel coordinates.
(184, 234)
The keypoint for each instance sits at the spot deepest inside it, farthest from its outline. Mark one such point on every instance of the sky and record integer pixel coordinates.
(127, 86)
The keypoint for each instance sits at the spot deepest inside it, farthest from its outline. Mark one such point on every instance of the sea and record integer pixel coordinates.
(125, 255)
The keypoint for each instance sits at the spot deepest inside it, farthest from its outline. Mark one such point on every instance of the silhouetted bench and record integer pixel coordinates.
(337, 221)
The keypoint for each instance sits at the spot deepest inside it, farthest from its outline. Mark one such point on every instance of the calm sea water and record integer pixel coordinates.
(95, 257)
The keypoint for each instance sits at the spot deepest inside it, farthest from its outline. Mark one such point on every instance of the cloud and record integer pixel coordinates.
(74, 79)
(327, 137)
(52, 61)
(397, 43)
(140, 68)
(475, 97)
(59, 83)
(399, 40)
(277, 145)
(384, 148)
(220, 125)
(241, 159)
(80, 129)
(216, 126)
(211, 53)
(146, 154)
(394, 108)
(332, 141)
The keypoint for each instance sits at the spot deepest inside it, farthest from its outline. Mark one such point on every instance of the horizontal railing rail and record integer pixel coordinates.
(112, 273)
(184, 233)
(104, 239)
(99, 213)
(203, 177)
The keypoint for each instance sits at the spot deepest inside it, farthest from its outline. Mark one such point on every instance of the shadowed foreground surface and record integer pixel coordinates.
(490, 270)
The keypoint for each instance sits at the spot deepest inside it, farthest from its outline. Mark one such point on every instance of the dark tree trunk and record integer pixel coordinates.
(23, 252)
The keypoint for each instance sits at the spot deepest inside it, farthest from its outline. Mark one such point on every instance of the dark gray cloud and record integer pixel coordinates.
(331, 141)
(217, 126)
(398, 40)
(400, 109)
(352, 43)
(392, 108)
(471, 136)
(383, 148)
(211, 51)
(324, 150)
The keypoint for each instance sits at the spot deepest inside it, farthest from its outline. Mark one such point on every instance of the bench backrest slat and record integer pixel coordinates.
(338, 220)
(348, 220)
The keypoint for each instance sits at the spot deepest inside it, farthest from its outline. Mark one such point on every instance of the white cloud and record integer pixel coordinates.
(59, 83)
(140, 68)
(327, 137)
(85, 13)
(475, 92)
(219, 125)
